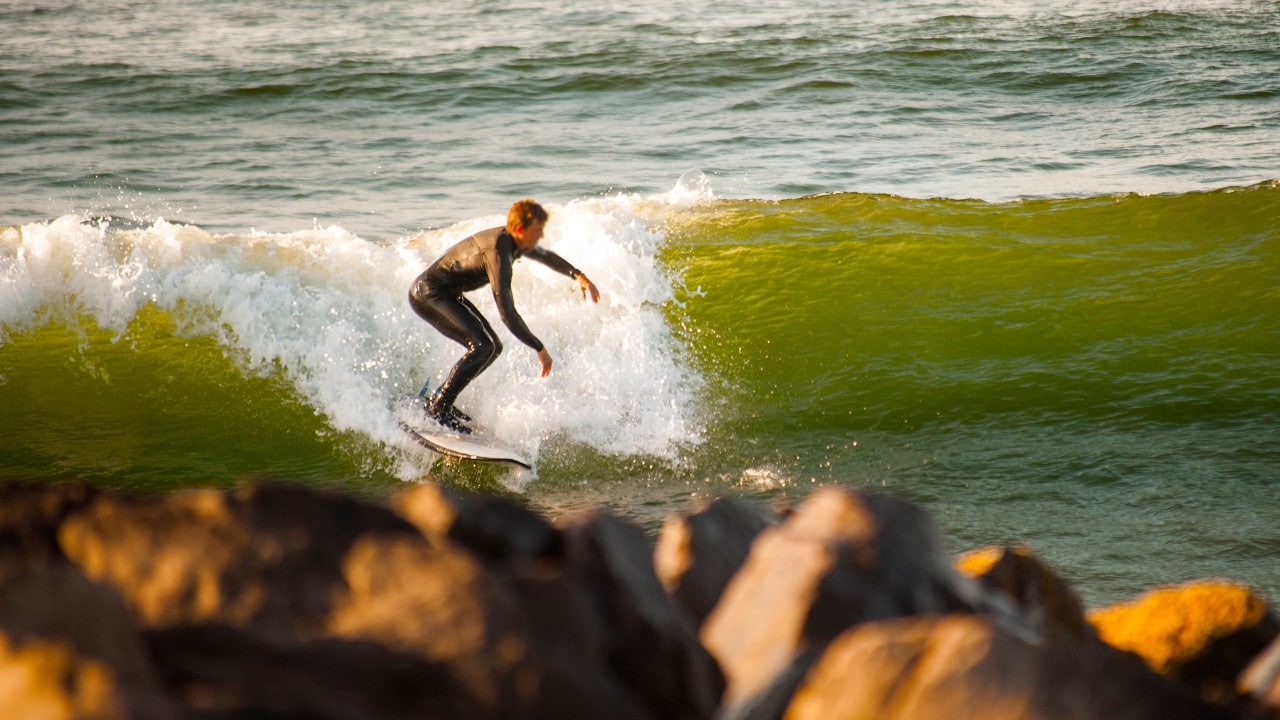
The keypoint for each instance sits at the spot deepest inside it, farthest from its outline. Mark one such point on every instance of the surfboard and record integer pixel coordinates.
(467, 447)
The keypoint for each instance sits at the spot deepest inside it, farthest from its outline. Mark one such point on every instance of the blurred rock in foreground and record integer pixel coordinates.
(277, 601)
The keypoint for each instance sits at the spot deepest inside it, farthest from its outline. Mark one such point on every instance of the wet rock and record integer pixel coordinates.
(841, 559)
(697, 555)
(1201, 634)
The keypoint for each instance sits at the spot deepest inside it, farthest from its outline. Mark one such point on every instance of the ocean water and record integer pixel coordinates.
(1018, 261)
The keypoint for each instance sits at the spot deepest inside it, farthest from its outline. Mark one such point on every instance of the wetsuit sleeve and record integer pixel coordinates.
(554, 261)
(500, 281)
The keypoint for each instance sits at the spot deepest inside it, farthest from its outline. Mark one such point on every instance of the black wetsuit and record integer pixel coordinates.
(481, 259)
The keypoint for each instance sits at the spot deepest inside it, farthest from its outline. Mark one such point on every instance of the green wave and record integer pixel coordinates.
(875, 312)
(152, 410)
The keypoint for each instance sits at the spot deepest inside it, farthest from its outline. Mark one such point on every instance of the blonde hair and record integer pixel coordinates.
(525, 213)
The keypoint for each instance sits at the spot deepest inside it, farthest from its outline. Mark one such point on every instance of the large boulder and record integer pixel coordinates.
(441, 606)
(841, 559)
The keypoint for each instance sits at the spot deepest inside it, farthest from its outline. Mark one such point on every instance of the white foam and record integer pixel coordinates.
(329, 311)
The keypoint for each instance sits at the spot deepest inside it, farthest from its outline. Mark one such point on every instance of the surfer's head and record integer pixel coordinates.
(525, 221)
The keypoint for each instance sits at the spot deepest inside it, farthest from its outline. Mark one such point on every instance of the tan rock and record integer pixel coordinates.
(843, 558)
(964, 666)
(267, 556)
(439, 605)
(1261, 679)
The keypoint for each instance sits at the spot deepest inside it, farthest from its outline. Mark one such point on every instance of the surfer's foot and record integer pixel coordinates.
(450, 418)
(454, 412)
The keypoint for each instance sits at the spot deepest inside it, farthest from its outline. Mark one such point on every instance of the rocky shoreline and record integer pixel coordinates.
(281, 602)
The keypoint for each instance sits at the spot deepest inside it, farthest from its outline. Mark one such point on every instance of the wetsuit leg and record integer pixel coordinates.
(457, 319)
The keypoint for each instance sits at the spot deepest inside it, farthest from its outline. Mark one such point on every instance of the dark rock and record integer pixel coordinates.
(697, 555)
(218, 671)
(69, 649)
(497, 530)
(1047, 604)
(30, 516)
(650, 644)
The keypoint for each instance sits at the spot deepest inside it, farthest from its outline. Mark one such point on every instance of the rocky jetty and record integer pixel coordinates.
(281, 602)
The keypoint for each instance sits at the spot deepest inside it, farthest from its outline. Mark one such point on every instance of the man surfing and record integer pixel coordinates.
(484, 258)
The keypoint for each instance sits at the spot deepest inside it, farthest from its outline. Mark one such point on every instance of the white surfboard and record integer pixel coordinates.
(467, 447)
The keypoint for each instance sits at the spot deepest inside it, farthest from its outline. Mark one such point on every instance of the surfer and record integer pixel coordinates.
(484, 258)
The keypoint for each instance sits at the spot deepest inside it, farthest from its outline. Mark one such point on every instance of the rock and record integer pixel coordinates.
(268, 557)
(1201, 634)
(589, 595)
(650, 644)
(223, 672)
(283, 602)
(1261, 679)
(497, 530)
(440, 605)
(841, 559)
(1049, 606)
(965, 666)
(30, 516)
(697, 555)
(68, 649)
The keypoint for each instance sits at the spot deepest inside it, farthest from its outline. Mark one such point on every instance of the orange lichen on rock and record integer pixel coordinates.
(1171, 628)
(977, 563)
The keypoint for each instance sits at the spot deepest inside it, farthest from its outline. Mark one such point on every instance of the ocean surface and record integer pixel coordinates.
(1016, 260)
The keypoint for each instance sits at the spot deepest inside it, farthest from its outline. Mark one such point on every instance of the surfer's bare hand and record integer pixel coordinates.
(588, 287)
(545, 358)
